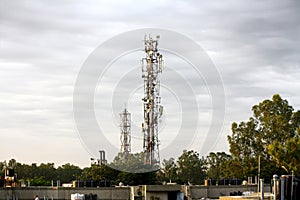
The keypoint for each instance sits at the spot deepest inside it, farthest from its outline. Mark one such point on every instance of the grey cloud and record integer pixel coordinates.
(254, 44)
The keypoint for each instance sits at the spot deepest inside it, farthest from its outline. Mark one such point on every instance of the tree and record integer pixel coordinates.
(25, 171)
(191, 169)
(245, 147)
(132, 163)
(287, 155)
(39, 181)
(92, 173)
(274, 122)
(68, 172)
(169, 170)
(133, 170)
(219, 165)
(47, 171)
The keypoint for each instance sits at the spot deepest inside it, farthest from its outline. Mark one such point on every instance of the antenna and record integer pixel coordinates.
(152, 66)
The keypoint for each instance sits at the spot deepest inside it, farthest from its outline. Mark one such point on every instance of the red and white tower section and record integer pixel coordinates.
(125, 128)
(152, 66)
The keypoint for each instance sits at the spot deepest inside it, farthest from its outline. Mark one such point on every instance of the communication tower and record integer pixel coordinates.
(152, 66)
(125, 127)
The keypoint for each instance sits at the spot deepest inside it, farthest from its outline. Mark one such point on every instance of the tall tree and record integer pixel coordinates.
(132, 163)
(169, 170)
(274, 122)
(133, 170)
(68, 172)
(287, 155)
(219, 165)
(47, 171)
(191, 168)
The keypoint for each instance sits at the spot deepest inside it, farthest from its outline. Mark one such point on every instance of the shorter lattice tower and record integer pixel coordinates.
(125, 128)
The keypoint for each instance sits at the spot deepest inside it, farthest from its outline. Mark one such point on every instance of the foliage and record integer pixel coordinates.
(47, 171)
(147, 178)
(44, 173)
(219, 165)
(273, 124)
(39, 181)
(68, 172)
(132, 169)
(132, 163)
(189, 169)
(168, 171)
(287, 155)
(99, 172)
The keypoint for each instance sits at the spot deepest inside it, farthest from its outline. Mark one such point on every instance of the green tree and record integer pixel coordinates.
(47, 171)
(133, 170)
(219, 165)
(91, 173)
(169, 170)
(132, 163)
(274, 122)
(25, 171)
(191, 168)
(39, 181)
(68, 172)
(99, 172)
(287, 155)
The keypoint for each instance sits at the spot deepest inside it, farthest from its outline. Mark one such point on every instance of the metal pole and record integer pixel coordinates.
(282, 183)
(275, 177)
(262, 189)
(258, 178)
(292, 185)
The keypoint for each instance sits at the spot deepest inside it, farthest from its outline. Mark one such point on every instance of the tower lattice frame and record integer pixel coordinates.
(152, 66)
(125, 128)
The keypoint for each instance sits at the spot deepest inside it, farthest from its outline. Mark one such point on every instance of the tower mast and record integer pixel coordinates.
(152, 66)
(125, 128)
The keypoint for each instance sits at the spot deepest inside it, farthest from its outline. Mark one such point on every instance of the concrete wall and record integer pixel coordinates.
(122, 193)
(49, 193)
(197, 192)
(157, 195)
(160, 192)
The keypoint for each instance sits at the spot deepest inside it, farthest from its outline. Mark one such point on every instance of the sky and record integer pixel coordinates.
(44, 45)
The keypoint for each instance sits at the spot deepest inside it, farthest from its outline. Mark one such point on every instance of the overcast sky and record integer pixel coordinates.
(43, 44)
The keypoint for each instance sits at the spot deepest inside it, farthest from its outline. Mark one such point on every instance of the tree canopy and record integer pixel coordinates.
(43, 174)
(189, 168)
(219, 165)
(271, 134)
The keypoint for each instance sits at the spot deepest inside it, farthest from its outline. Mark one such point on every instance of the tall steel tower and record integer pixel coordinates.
(152, 66)
(125, 127)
